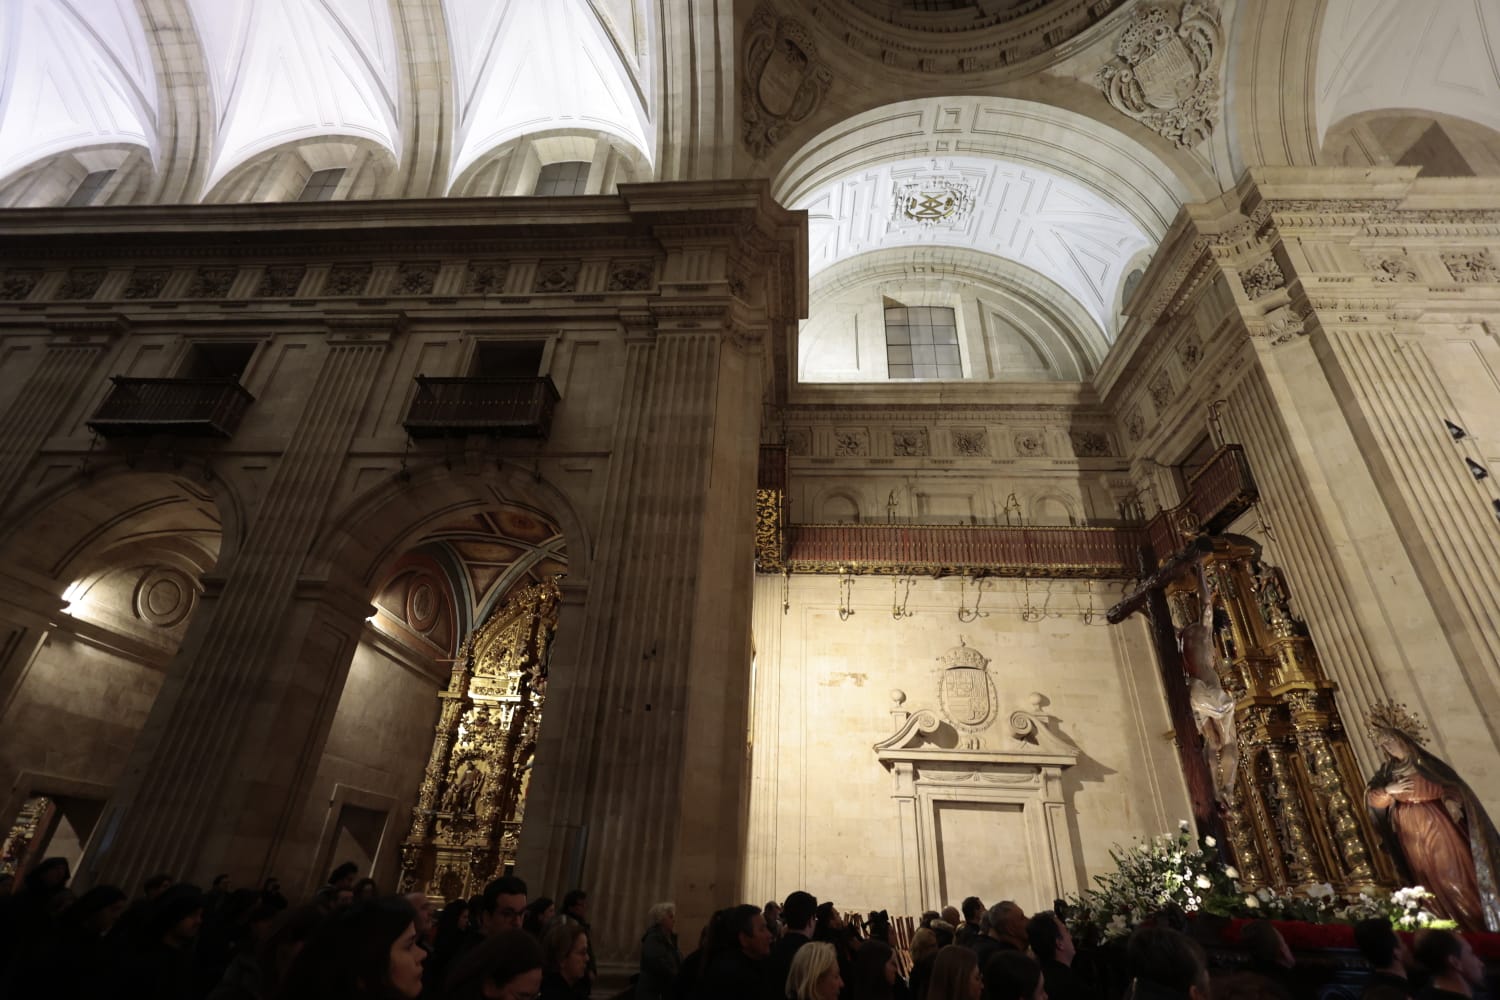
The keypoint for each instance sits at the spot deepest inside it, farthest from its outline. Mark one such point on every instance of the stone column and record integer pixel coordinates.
(71, 355)
(225, 758)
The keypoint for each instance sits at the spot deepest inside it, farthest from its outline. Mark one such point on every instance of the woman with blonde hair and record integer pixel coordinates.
(815, 973)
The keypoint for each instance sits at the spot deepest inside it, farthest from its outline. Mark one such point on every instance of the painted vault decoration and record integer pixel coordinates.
(1166, 71)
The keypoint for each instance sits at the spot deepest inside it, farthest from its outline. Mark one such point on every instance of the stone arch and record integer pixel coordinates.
(1146, 187)
(1052, 320)
(512, 167)
(371, 533)
(52, 180)
(1271, 70)
(839, 506)
(51, 535)
(1053, 507)
(185, 120)
(279, 174)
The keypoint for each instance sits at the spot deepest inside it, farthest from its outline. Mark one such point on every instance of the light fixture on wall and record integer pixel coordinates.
(965, 613)
(1476, 470)
(1454, 431)
(846, 588)
(899, 597)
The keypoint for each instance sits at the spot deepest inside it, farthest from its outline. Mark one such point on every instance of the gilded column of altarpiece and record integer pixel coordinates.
(1296, 815)
(467, 819)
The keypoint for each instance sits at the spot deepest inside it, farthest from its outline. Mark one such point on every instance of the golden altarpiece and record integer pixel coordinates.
(469, 807)
(1293, 812)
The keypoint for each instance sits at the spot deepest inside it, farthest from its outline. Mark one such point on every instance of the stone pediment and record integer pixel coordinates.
(1025, 737)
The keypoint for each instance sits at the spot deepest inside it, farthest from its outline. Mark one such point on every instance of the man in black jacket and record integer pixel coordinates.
(1052, 945)
(737, 969)
(798, 915)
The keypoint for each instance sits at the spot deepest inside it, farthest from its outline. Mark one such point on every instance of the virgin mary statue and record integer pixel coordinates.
(1433, 825)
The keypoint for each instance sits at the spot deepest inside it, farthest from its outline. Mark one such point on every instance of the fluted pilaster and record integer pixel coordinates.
(185, 791)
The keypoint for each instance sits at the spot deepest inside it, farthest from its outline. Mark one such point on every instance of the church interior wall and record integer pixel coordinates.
(823, 816)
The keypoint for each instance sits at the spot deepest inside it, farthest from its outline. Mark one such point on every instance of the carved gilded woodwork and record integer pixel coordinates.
(1296, 820)
(466, 824)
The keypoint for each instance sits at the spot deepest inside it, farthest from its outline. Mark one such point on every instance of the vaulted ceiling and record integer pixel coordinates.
(80, 73)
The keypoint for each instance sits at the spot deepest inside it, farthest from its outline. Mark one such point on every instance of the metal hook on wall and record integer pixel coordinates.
(1029, 612)
(1087, 614)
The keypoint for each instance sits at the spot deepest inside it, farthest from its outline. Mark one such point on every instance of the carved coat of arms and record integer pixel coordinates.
(784, 80)
(930, 201)
(1165, 74)
(966, 693)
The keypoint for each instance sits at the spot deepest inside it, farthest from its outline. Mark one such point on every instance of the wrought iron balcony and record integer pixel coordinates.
(1220, 491)
(516, 407)
(186, 406)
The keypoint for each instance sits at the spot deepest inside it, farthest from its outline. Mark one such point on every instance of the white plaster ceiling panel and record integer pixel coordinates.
(72, 73)
(1441, 56)
(522, 67)
(1051, 225)
(284, 70)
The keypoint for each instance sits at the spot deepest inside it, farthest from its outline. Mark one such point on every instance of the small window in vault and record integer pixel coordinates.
(508, 358)
(322, 185)
(568, 177)
(88, 189)
(922, 342)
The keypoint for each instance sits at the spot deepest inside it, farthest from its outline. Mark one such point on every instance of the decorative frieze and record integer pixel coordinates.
(630, 275)
(1189, 351)
(556, 276)
(970, 442)
(18, 284)
(211, 282)
(1030, 444)
(484, 277)
(1135, 424)
(146, 282)
(1391, 268)
(1166, 71)
(1090, 444)
(347, 279)
(280, 281)
(1472, 266)
(910, 442)
(1161, 389)
(799, 442)
(851, 442)
(415, 279)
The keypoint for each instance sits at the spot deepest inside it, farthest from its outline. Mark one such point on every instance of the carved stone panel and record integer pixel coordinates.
(484, 277)
(630, 275)
(146, 282)
(909, 442)
(1165, 73)
(1262, 278)
(1472, 266)
(851, 442)
(211, 282)
(18, 284)
(280, 281)
(784, 80)
(970, 442)
(1391, 267)
(347, 279)
(557, 276)
(415, 279)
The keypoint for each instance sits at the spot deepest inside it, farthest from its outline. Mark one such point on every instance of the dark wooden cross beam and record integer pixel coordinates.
(1165, 573)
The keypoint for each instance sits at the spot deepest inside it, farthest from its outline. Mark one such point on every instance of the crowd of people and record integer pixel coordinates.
(350, 942)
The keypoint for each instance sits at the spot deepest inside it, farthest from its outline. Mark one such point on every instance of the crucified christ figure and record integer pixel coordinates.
(1213, 707)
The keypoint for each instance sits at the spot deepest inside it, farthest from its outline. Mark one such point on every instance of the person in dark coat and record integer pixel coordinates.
(1389, 958)
(737, 966)
(799, 917)
(660, 958)
(1052, 944)
(565, 962)
(161, 966)
(1166, 965)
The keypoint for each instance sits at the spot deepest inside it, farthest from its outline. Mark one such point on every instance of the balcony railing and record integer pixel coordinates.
(188, 406)
(1219, 492)
(517, 407)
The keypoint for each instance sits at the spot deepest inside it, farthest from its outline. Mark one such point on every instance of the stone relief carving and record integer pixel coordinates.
(1135, 425)
(1472, 266)
(1391, 267)
(967, 693)
(1284, 325)
(484, 277)
(1190, 351)
(630, 275)
(799, 442)
(347, 279)
(557, 276)
(1030, 444)
(970, 442)
(211, 282)
(18, 285)
(1262, 278)
(910, 442)
(415, 279)
(784, 80)
(1166, 71)
(146, 282)
(1089, 444)
(164, 596)
(851, 443)
(280, 282)
(929, 200)
(1162, 390)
